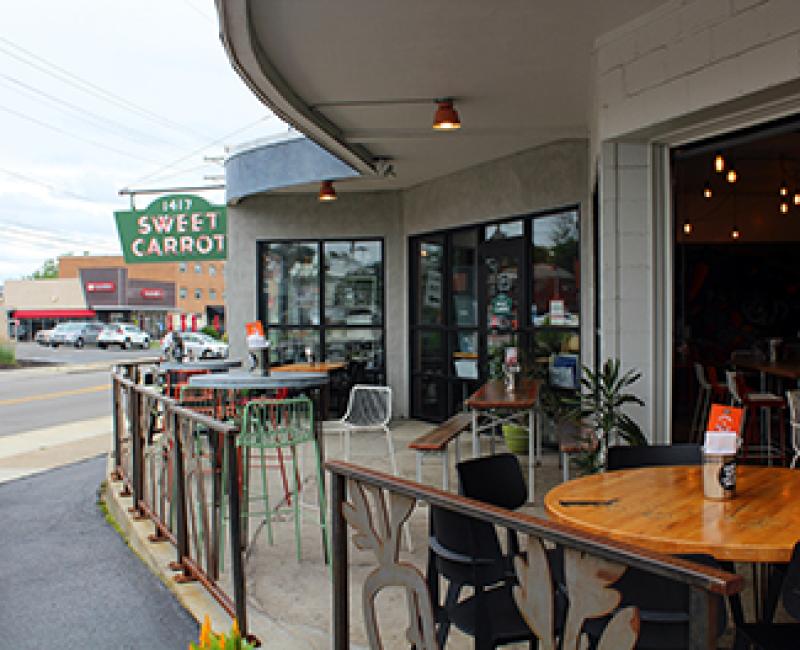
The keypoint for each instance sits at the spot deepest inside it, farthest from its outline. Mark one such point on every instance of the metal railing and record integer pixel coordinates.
(170, 460)
(376, 505)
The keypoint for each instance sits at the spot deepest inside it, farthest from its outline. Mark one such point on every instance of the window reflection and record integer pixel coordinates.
(353, 283)
(431, 264)
(556, 271)
(291, 283)
(289, 346)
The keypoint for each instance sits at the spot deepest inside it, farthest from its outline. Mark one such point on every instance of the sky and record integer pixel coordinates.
(99, 95)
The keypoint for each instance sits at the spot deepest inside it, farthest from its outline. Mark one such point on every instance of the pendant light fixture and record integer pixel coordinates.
(732, 176)
(784, 190)
(735, 234)
(796, 198)
(446, 116)
(719, 163)
(326, 192)
(707, 190)
(784, 207)
(687, 228)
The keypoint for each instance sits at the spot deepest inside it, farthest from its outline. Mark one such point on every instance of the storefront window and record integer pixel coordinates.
(556, 271)
(347, 325)
(431, 290)
(353, 283)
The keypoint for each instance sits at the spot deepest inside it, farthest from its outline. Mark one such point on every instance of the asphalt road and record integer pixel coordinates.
(71, 355)
(67, 580)
(33, 400)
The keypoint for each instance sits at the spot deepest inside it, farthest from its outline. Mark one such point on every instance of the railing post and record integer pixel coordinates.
(181, 523)
(137, 448)
(702, 620)
(115, 388)
(237, 550)
(341, 596)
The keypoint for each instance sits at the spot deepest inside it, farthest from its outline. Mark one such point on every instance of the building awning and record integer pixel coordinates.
(53, 313)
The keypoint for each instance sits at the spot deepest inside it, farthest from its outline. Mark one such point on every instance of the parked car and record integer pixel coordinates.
(202, 346)
(124, 335)
(43, 337)
(77, 333)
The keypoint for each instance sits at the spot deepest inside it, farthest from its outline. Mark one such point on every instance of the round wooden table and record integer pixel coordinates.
(663, 509)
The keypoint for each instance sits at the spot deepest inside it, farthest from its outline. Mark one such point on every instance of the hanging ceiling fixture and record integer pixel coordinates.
(707, 190)
(732, 176)
(784, 207)
(735, 234)
(326, 191)
(783, 191)
(687, 227)
(796, 198)
(446, 116)
(719, 163)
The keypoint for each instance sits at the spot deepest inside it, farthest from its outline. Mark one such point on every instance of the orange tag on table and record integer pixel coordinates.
(255, 335)
(722, 417)
(254, 329)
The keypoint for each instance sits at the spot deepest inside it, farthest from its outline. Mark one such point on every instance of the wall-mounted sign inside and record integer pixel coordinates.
(101, 287)
(173, 228)
(151, 294)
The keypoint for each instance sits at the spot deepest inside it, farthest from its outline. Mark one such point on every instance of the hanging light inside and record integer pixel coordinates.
(732, 176)
(326, 191)
(707, 191)
(784, 191)
(687, 227)
(446, 116)
(784, 207)
(735, 234)
(719, 163)
(796, 198)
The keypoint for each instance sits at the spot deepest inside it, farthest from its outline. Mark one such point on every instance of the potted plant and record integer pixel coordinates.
(211, 641)
(601, 405)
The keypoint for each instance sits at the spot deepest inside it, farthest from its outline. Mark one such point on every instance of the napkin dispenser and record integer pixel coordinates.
(719, 465)
(258, 347)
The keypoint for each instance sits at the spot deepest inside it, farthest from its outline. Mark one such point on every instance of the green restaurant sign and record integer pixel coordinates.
(174, 228)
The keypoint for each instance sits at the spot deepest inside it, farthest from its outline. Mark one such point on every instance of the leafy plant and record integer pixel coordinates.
(211, 331)
(211, 641)
(8, 356)
(602, 404)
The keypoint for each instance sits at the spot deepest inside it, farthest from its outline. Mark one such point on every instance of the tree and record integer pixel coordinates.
(48, 270)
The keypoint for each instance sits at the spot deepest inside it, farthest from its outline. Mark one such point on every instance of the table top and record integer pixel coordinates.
(663, 509)
(785, 369)
(240, 380)
(493, 395)
(316, 366)
(207, 364)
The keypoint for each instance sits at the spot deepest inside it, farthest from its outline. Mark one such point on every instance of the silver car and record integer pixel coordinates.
(77, 333)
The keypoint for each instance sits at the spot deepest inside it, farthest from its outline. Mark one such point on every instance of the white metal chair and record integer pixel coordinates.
(793, 398)
(369, 408)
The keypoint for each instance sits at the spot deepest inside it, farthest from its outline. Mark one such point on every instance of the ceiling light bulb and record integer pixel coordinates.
(446, 116)
(326, 192)
(707, 191)
(796, 198)
(732, 176)
(784, 208)
(735, 234)
(784, 191)
(687, 228)
(719, 163)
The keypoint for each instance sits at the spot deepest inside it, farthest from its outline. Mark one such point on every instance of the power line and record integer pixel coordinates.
(200, 149)
(67, 77)
(78, 111)
(47, 125)
(198, 11)
(52, 188)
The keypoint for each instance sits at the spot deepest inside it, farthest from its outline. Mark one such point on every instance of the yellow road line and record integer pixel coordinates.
(61, 393)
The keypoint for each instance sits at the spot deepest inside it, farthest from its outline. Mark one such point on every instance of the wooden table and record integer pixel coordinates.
(663, 509)
(498, 406)
(783, 369)
(316, 366)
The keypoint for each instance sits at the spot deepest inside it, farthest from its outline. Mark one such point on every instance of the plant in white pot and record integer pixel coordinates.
(601, 405)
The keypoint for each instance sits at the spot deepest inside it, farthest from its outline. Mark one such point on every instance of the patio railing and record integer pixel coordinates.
(170, 460)
(376, 505)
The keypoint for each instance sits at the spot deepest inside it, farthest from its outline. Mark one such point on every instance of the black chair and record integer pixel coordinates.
(496, 480)
(465, 552)
(663, 604)
(627, 457)
(777, 636)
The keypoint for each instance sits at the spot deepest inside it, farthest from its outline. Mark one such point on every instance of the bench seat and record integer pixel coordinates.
(437, 441)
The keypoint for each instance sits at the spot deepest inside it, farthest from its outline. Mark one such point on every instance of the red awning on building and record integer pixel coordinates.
(54, 313)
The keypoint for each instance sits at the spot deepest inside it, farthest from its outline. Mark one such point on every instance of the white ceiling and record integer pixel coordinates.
(520, 71)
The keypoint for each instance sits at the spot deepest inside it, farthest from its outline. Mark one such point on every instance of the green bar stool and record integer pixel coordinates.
(280, 424)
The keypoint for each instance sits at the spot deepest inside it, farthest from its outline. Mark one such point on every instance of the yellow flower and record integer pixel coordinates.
(235, 629)
(205, 633)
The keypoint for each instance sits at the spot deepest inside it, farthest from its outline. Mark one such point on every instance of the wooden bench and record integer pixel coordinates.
(574, 440)
(437, 441)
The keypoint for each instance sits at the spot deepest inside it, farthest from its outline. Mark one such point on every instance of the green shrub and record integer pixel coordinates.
(211, 331)
(8, 356)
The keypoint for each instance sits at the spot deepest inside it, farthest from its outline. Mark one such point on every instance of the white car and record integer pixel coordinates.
(124, 335)
(201, 346)
(43, 337)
